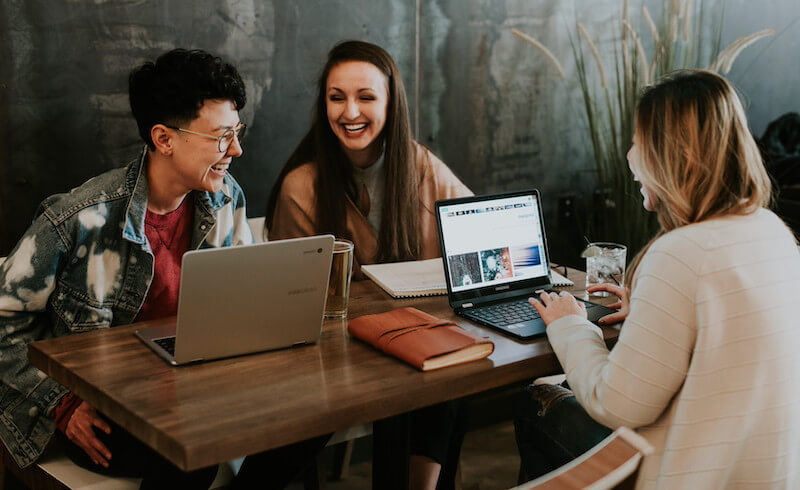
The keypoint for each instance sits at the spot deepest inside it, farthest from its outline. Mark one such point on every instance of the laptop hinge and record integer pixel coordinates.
(467, 305)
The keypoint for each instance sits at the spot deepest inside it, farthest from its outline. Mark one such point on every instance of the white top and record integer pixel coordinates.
(707, 364)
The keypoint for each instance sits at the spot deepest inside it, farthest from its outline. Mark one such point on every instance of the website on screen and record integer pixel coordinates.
(492, 242)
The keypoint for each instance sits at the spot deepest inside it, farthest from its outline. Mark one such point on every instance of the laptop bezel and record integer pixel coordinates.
(459, 299)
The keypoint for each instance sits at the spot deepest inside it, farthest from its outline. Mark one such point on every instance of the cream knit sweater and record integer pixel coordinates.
(707, 365)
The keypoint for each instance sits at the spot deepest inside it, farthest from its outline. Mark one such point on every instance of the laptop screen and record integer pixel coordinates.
(493, 244)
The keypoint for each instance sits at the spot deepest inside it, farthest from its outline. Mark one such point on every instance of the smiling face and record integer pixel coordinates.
(356, 101)
(635, 162)
(197, 162)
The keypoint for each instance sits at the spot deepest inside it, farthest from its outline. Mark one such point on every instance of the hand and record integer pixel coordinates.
(80, 430)
(552, 306)
(623, 305)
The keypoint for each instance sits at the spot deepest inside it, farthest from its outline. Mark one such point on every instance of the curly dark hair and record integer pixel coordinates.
(172, 90)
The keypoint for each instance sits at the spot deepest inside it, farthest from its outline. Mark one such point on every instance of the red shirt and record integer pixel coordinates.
(170, 236)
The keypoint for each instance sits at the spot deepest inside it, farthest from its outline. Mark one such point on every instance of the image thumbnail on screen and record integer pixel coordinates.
(464, 269)
(496, 264)
(527, 260)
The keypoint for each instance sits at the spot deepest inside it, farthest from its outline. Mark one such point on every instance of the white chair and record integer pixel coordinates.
(54, 470)
(610, 464)
(344, 441)
(257, 227)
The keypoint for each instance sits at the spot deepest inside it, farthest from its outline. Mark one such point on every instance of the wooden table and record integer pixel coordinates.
(213, 412)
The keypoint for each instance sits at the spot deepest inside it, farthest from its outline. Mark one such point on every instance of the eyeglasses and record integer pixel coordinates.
(224, 141)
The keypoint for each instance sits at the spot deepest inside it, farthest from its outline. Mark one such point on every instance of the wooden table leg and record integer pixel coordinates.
(390, 448)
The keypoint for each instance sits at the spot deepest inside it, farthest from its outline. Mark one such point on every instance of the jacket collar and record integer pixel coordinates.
(206, 203)
(136, 183)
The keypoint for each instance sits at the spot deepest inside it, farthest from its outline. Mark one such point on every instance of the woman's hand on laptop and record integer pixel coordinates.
(552, 306)
(80, 430)
(623, 306)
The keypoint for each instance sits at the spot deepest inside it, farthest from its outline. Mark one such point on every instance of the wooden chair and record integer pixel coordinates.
(614, 463)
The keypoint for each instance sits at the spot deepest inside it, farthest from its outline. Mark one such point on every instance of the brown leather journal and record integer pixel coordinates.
(422, 340)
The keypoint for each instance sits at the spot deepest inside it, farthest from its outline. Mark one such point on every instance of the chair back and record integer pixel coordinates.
(605, 466)
(257, 227)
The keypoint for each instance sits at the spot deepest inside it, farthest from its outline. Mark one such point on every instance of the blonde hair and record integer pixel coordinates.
(697, 154)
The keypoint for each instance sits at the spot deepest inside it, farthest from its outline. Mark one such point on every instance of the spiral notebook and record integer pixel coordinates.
(422, 278)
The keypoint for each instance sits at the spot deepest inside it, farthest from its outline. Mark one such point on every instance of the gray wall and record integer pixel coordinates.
(488, 105)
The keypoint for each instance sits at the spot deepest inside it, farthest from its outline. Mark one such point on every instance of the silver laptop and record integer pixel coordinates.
(239, 300)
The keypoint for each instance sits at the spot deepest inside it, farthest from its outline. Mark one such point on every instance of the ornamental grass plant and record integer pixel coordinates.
(610, 86)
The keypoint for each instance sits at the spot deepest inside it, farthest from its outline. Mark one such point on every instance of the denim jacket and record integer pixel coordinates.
(85, 264)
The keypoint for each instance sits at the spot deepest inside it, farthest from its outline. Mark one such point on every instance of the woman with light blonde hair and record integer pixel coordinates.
(706, 363)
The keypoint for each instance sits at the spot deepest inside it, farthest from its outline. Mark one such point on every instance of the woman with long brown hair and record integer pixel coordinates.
(359, 174)
(706, 364)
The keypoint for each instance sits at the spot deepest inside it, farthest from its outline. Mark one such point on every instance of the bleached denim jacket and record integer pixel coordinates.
(85, 264)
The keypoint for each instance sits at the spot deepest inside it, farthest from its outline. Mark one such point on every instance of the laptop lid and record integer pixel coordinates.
(239, 300)
(493, 246)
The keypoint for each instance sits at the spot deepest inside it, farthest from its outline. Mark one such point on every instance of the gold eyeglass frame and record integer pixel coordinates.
(230, 133)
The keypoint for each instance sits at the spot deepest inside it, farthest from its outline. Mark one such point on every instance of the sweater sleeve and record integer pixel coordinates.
(448, 186)
(294, 208)
(634, 383)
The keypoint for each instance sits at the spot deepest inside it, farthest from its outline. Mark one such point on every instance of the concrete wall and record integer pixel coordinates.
(488, 104)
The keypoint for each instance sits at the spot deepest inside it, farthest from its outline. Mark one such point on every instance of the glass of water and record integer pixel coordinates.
(605, 263)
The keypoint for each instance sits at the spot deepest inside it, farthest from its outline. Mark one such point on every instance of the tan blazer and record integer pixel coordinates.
(295, 217)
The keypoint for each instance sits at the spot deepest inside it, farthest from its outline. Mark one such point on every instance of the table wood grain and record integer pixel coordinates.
(207, 413)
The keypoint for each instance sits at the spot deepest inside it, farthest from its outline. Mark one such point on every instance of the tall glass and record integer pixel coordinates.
(339, 284)
(605, 263)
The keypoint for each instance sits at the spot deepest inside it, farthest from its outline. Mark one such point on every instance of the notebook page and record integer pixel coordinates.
(559, 280)
(412, 276)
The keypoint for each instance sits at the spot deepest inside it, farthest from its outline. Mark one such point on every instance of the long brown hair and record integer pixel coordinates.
(697, 154)
(399, 236)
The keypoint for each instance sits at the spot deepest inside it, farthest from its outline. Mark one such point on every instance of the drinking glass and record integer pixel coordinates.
(605, 263)
(339, 284)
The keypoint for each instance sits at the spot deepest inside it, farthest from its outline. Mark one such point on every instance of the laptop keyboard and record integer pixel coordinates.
(503, 314)
(166, 343)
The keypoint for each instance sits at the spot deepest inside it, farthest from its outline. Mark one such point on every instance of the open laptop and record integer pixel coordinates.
(495, 257)
(239, 300)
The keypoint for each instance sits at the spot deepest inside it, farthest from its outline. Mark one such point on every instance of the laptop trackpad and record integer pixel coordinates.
(527, 329)
(595, 312)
